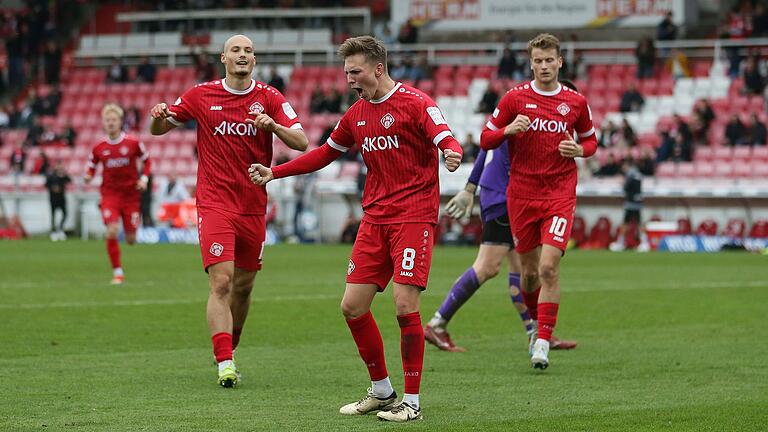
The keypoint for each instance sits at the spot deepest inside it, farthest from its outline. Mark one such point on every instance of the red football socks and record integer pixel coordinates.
(366, 334)
(222, 346)
(411, 350)
(236, 331)
(113, 250)
(532, 302)
(547, 319)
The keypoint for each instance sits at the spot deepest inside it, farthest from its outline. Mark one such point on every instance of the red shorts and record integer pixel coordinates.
(113, 209)
(402, 252)
(228, 236)
(538, 222)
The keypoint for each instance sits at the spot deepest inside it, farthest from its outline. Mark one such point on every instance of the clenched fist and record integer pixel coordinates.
(161, 111)
(452, 159)
(519, 125)
(259, 174)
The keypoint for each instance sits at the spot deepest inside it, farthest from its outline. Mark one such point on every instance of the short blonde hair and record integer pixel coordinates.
(370, 47)
(112, 107)
(544, 41)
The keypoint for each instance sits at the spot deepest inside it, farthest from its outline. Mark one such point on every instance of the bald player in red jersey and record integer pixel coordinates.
(538, 120)
(121, 184)
(236, 120)
(398, 130)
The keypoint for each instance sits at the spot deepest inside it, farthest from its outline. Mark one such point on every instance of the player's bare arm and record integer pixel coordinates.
(520, 124)
(141, 184)
(260, 175)
(87, 178)
(160, 114)
(293, 138)
(570, 148)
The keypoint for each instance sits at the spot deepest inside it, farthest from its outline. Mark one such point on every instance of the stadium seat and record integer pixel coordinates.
(600, 235)
(707, 227)
(578, 231)
(704, 168)
(666, 170)
(684, 226)
(686, 169)
(759, 229)
(735, 228)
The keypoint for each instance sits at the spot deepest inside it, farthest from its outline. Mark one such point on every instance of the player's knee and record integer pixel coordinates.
(130, 239)
(221, 284)
(548, 272)
(487, 271)
(352, 311)
(242, 289)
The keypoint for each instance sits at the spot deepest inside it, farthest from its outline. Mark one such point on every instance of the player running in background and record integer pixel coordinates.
(537, 119)
(121, 183)
(398, 130)
(491, 173)
(236, 119)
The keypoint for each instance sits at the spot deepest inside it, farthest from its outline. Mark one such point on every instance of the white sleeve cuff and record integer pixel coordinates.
(491, 126)
(296, 126)
(174, 121)
(336, 146)
(587, 133)
(436, 140)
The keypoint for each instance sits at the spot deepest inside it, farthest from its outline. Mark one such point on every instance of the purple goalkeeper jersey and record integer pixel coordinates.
(492, 176)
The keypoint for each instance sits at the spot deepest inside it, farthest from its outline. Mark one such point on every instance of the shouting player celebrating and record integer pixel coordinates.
(537, 120)
(392, 125)
(121, 183)
(236, 118)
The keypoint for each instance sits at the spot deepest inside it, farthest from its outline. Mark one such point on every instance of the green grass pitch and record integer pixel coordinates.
(667, 342)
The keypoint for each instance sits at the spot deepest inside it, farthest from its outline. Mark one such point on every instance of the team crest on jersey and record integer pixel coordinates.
(123, 151)
(256, 107)
(105, 153)
(563, 108)
(216, 249)
(350, 267)
(387, 120)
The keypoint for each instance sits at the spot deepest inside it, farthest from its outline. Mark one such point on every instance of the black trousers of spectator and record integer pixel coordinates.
(58, 204)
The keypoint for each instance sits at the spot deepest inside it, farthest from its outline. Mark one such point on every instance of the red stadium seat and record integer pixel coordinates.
(759, 229)
(600, 235)
(704, 169)
(742, 154)
(686, 169)
(578, 231)
(684, 226)
(704, 153)
(742, 170)
(735, 228)
(723, 169)
(760, 153)
(759, 169)
(707, 227)
(666, 170)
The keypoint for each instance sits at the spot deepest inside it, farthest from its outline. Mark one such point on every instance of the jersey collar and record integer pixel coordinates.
(546, 93)
(386, 96)
(238, 92)
(118, 140)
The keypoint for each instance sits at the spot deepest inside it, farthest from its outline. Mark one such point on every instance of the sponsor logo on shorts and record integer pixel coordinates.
(406, 273)
(216, 249)
(350, 267)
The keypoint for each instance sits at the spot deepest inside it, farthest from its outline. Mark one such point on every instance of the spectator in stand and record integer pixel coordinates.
(682, 150)
(754, 82)
(132, 119)
(52, 62)
(698, 131)
(275, 80)
(333, 101)
(402, 69)
(349, 99)
(666, 30)
(146, 71)
(677, 63)
(760, 20)
(42, 163)
(631, 100)
(608, 135)
(5, 117)
(705, 113)
(35, 133)
(682, 128)
(204, 70)
(738, 27)
(69, 135)
(420, 70)
(409, 33)
(647, 164)
(327, 133)
(610, 168)
(734, 131)
(384, 34)
(56, 182)
(172, 190)
(646, 58)
(471, 149)
(18, 161)
(316, 101)
(117, 72)
(755, 132)
(508, 66)
(627, 136)
(664, 152)
(489, 100)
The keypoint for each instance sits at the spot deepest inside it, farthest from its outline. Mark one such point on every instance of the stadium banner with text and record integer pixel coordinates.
(167, 235)
(694, 243)
(452, 15)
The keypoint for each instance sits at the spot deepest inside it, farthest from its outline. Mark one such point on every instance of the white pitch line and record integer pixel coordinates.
(585, 287)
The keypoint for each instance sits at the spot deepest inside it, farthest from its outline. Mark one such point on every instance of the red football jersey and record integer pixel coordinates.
(227, 145)
(397, 136)
(537, 170)
(119, 159)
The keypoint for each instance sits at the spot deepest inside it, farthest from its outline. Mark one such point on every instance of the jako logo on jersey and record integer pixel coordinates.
(545, 125)
(232, 128)
(350, 267)
(215, 107)
(380, 143)
(117, 162)
(531, 106)
(256, 107)
(387, 120)
(361, 123)
(216, 249)
(563, 109)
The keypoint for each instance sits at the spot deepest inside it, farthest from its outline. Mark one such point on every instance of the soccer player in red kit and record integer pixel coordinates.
(538, 119)
(121, 183)
(398, 130)
(236, 119)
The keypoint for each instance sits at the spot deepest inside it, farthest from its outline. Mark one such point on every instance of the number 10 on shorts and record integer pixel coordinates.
(558, 227)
